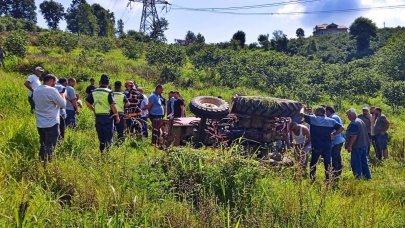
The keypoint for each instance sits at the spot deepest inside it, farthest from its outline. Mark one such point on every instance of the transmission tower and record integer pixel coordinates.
(150, 15)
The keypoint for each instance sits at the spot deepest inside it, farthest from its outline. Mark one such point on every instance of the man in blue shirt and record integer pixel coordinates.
(337, 144)
(156, 112)
(323, 130)
(357, 145)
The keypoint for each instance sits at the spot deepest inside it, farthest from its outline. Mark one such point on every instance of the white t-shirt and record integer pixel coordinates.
(35, 82)
(144, 103)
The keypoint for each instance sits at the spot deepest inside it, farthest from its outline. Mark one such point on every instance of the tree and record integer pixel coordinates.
(158, 30)
(105, 20)
(300, 33)
(190, 37)
(279, 41)
(16, 44)
(394, 94)
(137, 36)
(200, 39)
(264, 41)
(120, 29)
(53, 12)
(80, 18)
(390, 60)
(240, 36)
(24, 9)
(312, 47)
(362, 30)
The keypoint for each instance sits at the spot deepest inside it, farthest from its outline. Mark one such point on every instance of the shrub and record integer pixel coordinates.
(16, 44)
(67, 41)
(132, 49)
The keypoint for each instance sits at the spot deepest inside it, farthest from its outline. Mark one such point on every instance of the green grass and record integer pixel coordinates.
(138, 185)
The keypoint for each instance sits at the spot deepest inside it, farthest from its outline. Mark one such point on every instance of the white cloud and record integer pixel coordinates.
(391, 17)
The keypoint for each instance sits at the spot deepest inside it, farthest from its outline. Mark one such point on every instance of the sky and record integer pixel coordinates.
(221, 27)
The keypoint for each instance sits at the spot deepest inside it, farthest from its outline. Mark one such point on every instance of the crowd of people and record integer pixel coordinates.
(322, 135)
(125, 109)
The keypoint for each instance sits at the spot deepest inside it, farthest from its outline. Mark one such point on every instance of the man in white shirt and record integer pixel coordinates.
(144, 113)
(32, 82)
(48, 102)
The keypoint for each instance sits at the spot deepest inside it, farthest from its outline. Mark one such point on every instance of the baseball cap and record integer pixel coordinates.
(38, 68)
(365, 108)
(104, 79)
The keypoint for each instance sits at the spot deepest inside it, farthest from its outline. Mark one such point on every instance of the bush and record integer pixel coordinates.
(169, 74)
(16, 44)
(159, 54)
(132, 49)
(67, 41)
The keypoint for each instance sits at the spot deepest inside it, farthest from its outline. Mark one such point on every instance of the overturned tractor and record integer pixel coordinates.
(258, 124)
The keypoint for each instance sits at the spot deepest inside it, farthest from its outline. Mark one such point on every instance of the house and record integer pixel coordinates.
(182, 42)
(329, 29)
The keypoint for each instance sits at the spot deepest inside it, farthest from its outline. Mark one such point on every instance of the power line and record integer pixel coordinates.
(296, 13)
(248, 6)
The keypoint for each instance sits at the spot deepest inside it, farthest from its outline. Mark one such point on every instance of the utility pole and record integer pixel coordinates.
(150, 16)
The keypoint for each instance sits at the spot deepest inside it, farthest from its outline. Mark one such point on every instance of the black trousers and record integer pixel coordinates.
(337, 160)
(105, 131)
(48, 137)
(32, 103)
(62, 127)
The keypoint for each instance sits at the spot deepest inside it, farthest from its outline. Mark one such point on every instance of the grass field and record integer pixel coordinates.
(138, 185)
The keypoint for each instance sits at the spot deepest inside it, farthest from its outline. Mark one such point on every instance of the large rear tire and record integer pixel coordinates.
(209, 107)
(267, 107)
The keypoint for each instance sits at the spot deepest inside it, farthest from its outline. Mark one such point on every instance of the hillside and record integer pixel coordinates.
(139, 185)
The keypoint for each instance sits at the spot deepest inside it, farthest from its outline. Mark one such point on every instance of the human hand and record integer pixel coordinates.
(117, 119)
(349, 149)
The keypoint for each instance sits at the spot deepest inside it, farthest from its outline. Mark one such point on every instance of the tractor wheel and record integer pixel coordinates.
(209, 107)
(267, 107)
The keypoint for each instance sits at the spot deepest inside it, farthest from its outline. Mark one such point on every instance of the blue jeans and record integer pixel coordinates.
(70, 119)
(337, 160)
(145, 126)
(381, 142)
(325, 152)
(105, 131)
(359, 163)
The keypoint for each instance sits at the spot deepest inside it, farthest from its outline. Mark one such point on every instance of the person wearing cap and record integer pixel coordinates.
(366, 118)
(101, 102)
(72, 108)
(121, 103)
(61, 87)
(322, 130)
(48, 102)
(356, 144)
(337, 143)
(32, 82)
(91, 87)
(156, 112)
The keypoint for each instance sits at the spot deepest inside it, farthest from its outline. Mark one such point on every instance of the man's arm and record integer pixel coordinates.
(28, 85)
(349, 145)
(90, 101)
(150, 104)
(59, 99)
(307, 136)
(114, 110)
